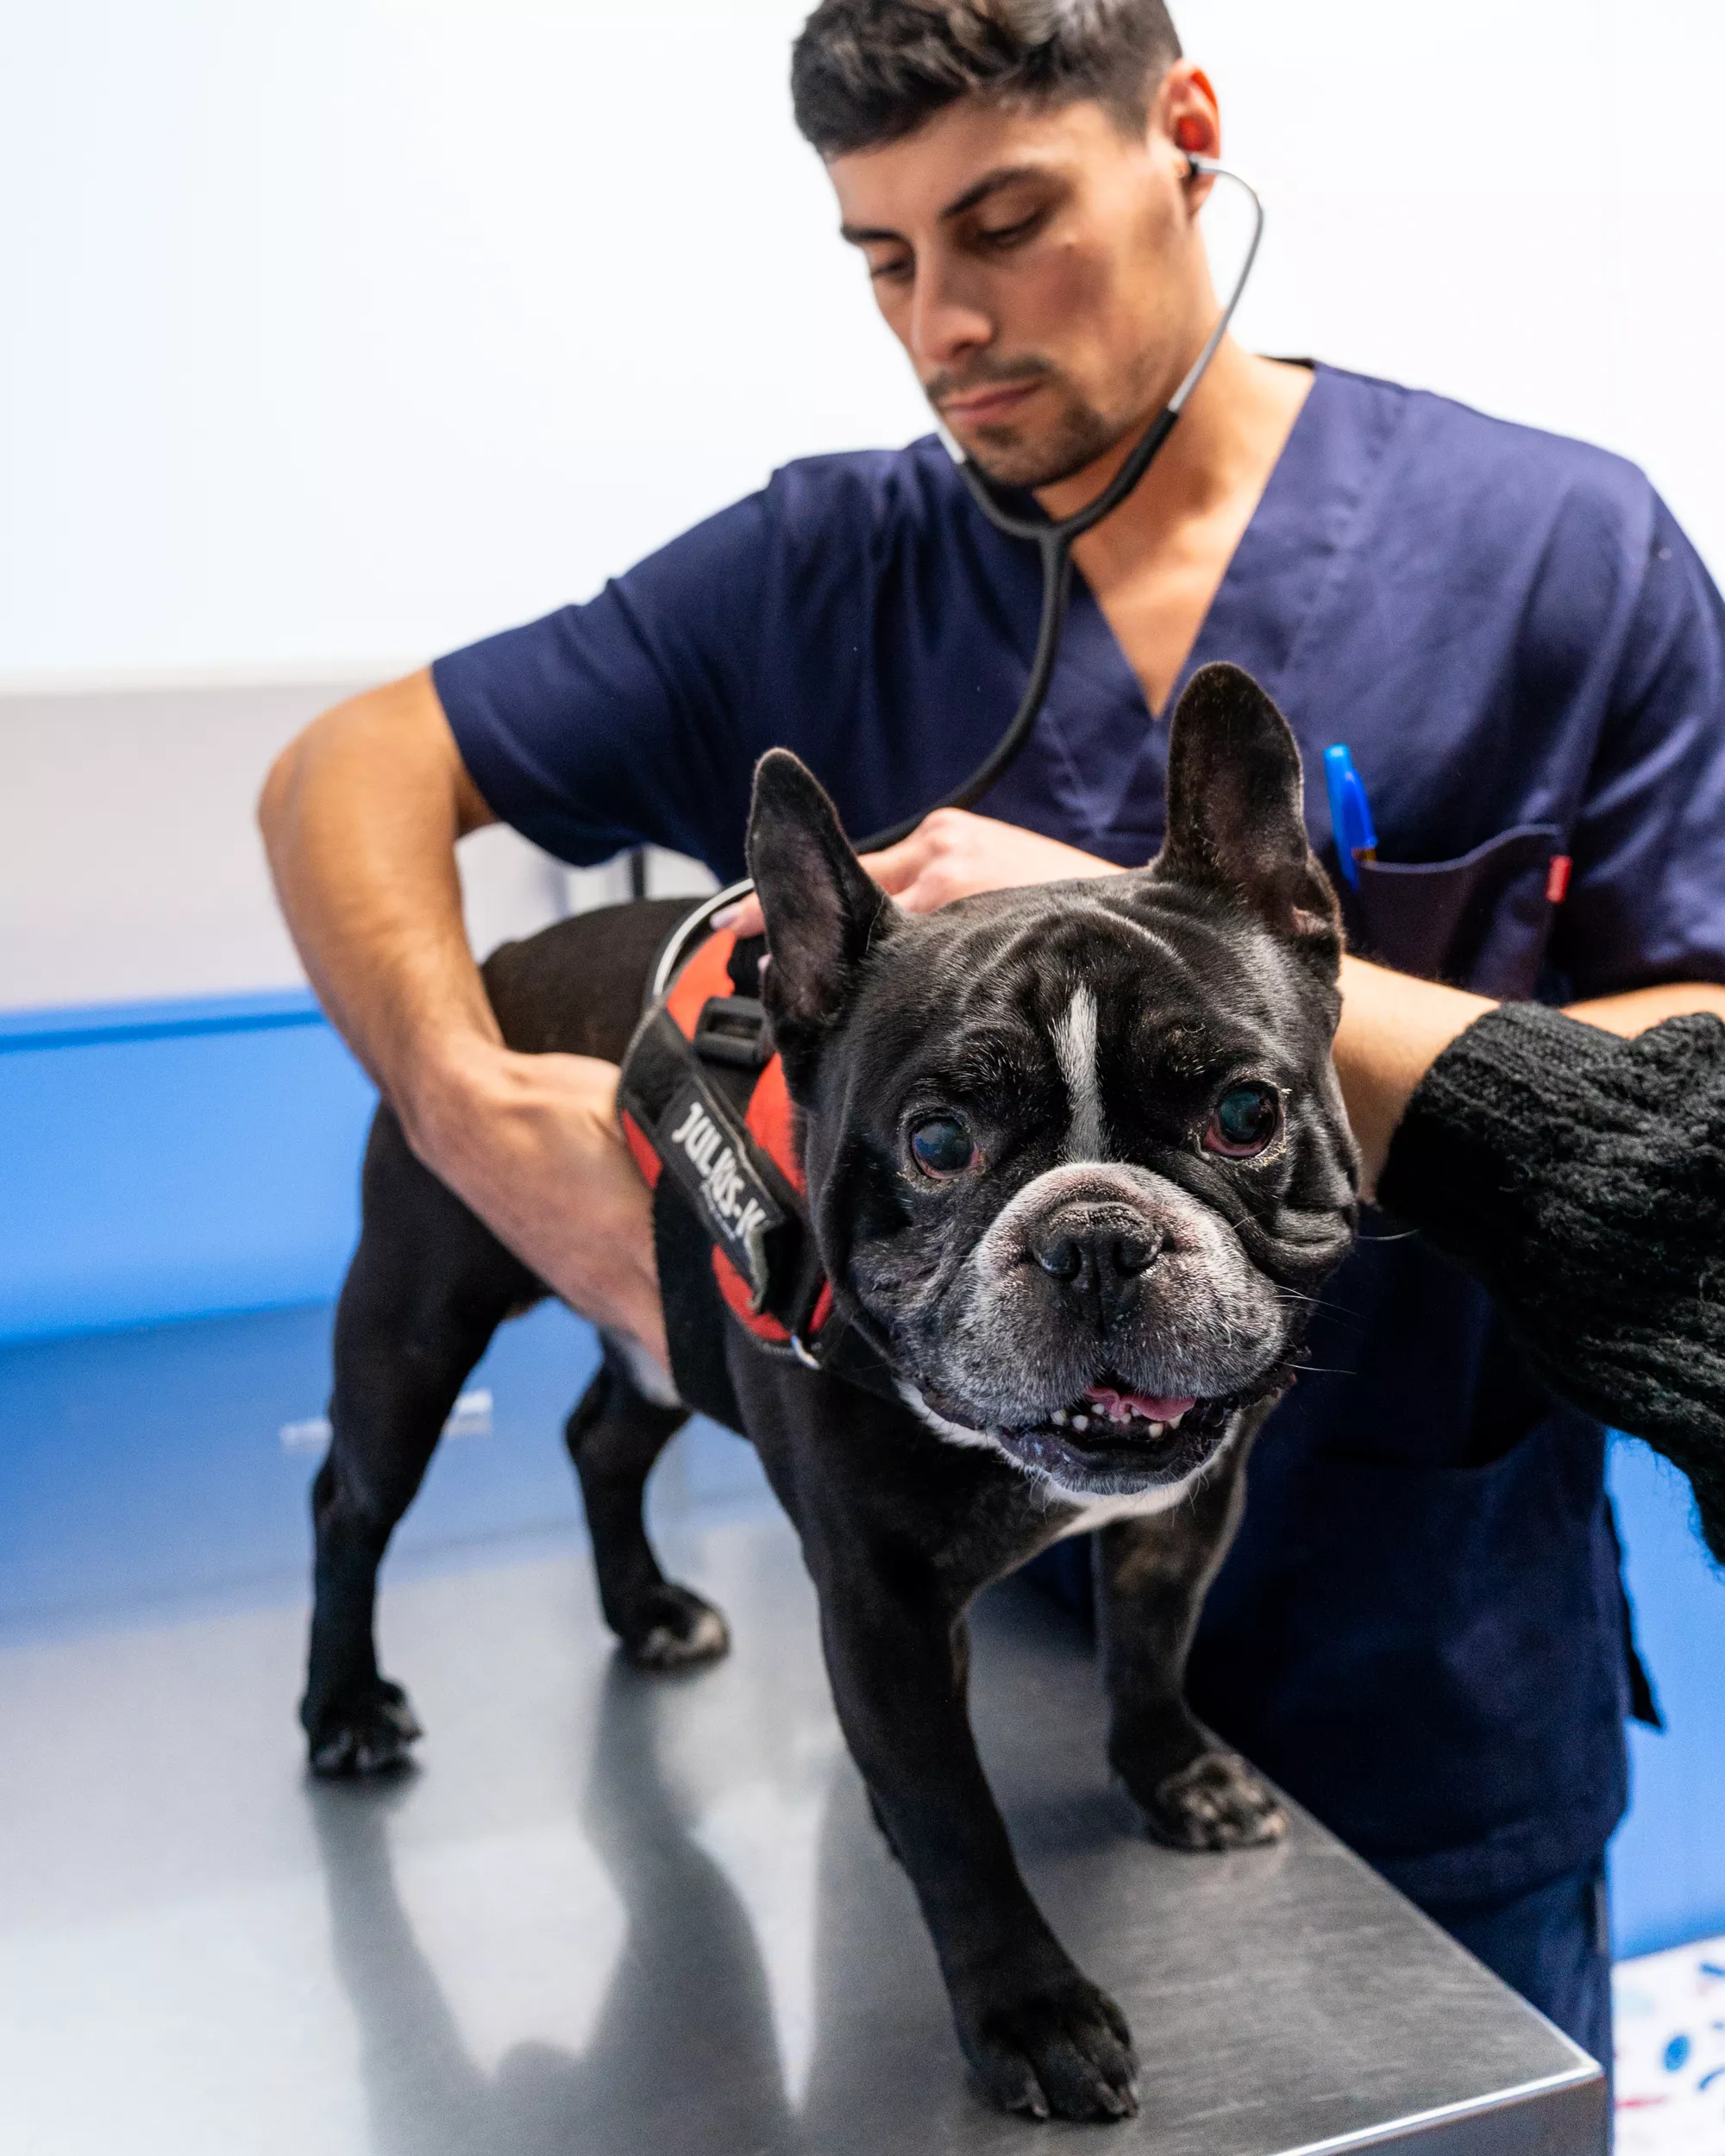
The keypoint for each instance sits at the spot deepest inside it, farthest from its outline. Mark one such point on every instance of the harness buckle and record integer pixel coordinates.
(733, 1030)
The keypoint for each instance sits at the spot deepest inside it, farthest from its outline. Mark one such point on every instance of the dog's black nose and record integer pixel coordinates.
(1136, 1253)
(1095, 1261)
(1062, 1260)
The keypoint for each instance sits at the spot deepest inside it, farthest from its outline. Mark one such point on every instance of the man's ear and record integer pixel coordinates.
(822, 911)
(1236, 813)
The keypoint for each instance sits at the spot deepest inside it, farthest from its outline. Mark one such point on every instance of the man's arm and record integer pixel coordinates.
(1393, 1028)
(360, 817)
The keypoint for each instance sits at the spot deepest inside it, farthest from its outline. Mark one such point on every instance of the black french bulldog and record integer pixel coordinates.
(1076, 1161)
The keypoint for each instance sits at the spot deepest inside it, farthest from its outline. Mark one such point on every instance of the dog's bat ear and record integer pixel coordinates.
(822, 911)
(1236, 813)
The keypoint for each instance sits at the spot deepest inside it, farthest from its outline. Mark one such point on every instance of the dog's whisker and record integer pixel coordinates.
(1340, 1312)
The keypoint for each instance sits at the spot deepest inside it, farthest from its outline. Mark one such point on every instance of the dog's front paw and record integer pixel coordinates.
(672, 1628)
(1216, 1802)
(365, 1734)
(1062, 2049)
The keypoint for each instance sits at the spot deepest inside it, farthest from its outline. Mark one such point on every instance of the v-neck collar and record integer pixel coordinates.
(1241, 583)
(1269, 591)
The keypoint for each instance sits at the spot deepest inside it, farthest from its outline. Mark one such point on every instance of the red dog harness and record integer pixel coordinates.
(713, 1129)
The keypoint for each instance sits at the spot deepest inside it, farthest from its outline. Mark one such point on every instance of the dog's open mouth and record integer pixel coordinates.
(1112, 1429)
(1112, 1439)
(1113, 1411)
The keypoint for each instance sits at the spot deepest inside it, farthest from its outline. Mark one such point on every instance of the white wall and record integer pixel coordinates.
(340, 332)
(1517, 201)
(130, 865)
(333, 334)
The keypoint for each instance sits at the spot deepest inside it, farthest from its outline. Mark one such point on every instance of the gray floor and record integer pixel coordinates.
(611, 1914)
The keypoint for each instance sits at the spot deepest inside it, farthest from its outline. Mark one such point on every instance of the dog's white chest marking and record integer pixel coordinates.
(953, 1433)
(1074, 1048)
(1102, 1512)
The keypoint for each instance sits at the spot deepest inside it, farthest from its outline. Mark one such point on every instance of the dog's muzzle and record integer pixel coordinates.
(1105, 1330)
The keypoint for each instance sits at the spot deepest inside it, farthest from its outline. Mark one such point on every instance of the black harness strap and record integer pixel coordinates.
(719, 1188)
(692, 1110)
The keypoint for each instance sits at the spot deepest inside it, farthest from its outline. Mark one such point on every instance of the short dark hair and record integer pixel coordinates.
(869, 72)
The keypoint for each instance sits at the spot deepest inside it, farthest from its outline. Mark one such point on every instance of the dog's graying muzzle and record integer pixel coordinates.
(1101, 1272)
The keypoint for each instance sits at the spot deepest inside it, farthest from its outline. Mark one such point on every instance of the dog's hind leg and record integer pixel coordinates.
(1151, 1574)
(614, 1435)
(428, 1287)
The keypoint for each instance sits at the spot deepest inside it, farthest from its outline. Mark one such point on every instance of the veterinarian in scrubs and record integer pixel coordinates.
(1421, 1631)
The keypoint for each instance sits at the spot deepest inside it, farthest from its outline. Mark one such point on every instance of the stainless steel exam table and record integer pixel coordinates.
(610, 1916)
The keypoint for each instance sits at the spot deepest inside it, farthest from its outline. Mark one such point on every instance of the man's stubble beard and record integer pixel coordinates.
(1079, 437)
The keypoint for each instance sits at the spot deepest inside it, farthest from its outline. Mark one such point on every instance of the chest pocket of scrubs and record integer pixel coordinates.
(1480, 921)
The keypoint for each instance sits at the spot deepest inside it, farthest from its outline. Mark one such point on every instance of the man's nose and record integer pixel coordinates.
(946, 326)
(1096, 1259)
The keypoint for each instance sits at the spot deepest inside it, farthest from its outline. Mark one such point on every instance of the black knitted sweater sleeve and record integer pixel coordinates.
(1581, 1177)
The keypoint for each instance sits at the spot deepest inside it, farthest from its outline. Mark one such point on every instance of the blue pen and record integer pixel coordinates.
(1350, 812)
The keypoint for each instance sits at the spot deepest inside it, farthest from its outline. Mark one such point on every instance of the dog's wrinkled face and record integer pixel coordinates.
(1076, 1156)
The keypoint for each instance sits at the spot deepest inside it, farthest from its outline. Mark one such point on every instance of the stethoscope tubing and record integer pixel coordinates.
(1054, 541)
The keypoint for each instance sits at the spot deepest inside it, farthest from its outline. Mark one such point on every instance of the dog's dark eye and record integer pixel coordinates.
(1244, 1121)
(941, 1145)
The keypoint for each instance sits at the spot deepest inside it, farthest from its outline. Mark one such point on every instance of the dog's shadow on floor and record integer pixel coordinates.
(684, 2053)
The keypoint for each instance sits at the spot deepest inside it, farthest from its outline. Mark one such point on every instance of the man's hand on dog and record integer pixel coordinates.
(952, 854)
(533, 1144)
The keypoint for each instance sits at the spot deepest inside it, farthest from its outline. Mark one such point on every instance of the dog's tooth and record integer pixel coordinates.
(1158, 1429)
(1059, 1416)
(1080, 1422)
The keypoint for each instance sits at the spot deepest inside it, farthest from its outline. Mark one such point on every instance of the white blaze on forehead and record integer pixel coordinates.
(1075, 1047)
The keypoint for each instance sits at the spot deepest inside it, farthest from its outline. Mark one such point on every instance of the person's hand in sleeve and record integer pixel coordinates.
(1581, 1177)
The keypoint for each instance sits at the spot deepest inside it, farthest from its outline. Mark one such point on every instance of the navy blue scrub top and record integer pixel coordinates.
(1420, 1632)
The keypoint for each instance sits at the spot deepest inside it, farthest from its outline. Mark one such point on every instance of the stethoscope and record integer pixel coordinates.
(1054, 541)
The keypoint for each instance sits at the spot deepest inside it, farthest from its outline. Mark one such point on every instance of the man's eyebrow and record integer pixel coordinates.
(961, 206)
(990, 183)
